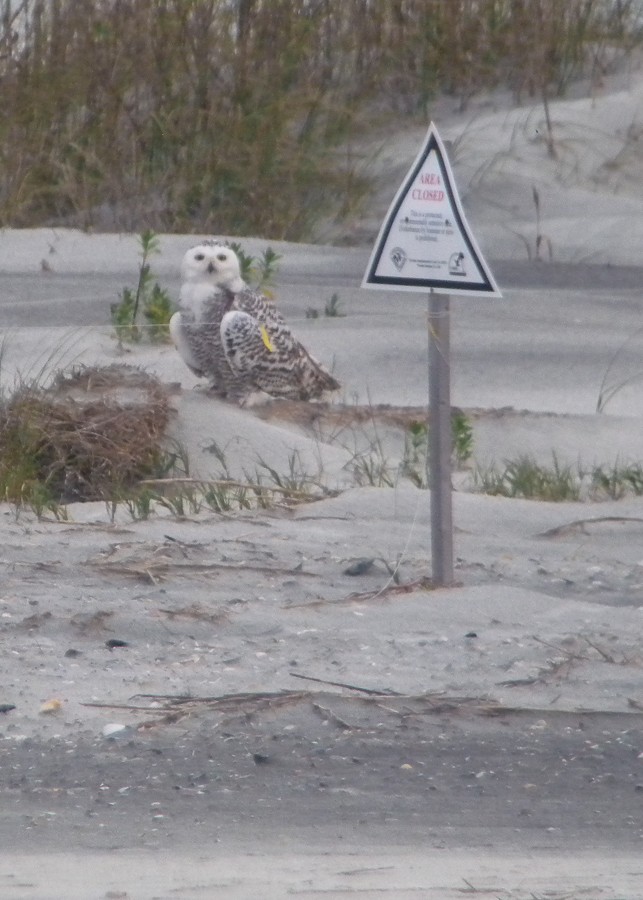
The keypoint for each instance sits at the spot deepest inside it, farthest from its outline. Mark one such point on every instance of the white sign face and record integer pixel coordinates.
(425, 242)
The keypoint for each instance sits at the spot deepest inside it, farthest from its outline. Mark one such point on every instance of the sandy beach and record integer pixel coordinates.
(270, 724)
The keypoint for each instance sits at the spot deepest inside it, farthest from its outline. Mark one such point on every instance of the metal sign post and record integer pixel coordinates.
(440, 440)
(425, 244)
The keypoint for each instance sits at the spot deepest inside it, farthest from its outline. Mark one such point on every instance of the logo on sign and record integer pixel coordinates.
(398, 257)
(456, 264)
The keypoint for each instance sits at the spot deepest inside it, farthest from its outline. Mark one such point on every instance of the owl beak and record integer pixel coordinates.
(210, 268)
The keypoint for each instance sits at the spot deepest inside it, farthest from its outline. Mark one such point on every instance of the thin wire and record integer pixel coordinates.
(71, 327)
(402, 555)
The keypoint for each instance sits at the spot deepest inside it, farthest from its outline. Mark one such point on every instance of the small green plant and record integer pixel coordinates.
(526, 478)
(414, 461)
(38, 497)
(633, 476)
(616, 482)
(462, 437)
(183, 502)
(258, 271)
(148, 298)
(124, 317)
(295, 484)
(219, 454)
(332, 309)
(158, 309)
(373, 469)
(221, 499)
(312, 313)
(140, 504)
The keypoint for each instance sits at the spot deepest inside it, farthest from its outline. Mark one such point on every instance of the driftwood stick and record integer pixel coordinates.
(126, 706)
(165, 565)
(329, 715)
(250, 697)
(361, 596)
(579, 524)
(568, 653)
(351, 687)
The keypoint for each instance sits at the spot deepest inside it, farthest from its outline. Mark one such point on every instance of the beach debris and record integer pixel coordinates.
(114, 643)
(261, 759)
(360, 566)
(114, 729)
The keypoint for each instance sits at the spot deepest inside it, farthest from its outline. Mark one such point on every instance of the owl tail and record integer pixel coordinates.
(272, 361)
(315, 379)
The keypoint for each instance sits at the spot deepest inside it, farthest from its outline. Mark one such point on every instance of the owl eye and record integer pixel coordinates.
(199, 257)
(222, 257)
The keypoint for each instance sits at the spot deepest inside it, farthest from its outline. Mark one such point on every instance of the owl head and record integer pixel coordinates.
(214, 262)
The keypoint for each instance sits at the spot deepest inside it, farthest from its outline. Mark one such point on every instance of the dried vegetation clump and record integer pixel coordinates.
(240, 117)
(93, 433)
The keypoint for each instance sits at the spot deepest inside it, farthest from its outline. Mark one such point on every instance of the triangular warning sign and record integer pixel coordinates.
(425, 242)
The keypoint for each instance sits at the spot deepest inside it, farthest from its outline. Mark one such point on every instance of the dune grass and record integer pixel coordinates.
(526, 478)
(237, 117)
(100, 434)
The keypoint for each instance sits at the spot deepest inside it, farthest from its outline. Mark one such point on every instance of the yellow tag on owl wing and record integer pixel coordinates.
(265, 338)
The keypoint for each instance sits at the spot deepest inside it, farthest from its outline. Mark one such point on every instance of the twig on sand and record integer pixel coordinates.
(424, 584)
(374, 692)
(328, 714)
(580, 525)
(171, 708)
(565, 652)
(471, 889)
(158, 569)
(226, 700)
(195, 612)
(606, 656)
(123, 706)
(554, 668)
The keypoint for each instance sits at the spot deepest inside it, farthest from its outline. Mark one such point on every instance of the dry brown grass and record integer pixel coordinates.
(94, 433)
(227, 117)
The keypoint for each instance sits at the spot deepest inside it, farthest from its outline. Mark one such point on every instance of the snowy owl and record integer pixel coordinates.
(235, 337)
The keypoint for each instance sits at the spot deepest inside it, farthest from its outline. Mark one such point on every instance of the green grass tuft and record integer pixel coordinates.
(148, 297)
(524, 477)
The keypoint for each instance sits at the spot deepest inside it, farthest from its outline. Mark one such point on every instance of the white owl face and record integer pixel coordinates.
(210, 262)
